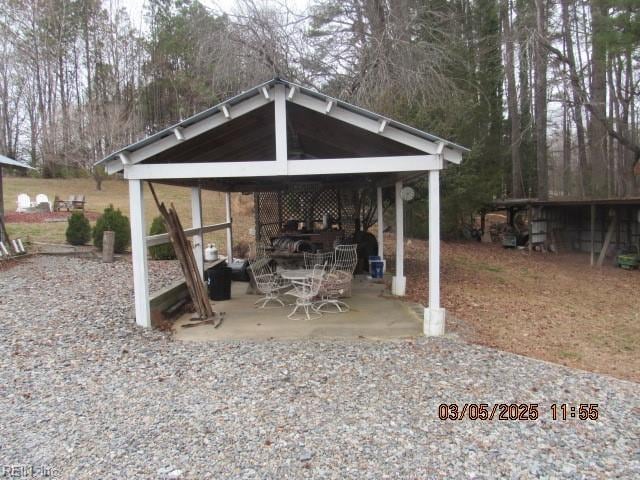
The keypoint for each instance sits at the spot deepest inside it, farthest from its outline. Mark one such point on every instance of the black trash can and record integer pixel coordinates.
(218, 282)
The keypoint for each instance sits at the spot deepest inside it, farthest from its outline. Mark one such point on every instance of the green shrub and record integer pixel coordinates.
(78, 230)
(113, 220)
(160, 252)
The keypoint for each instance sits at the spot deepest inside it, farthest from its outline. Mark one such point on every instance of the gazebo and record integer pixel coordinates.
(270, 138)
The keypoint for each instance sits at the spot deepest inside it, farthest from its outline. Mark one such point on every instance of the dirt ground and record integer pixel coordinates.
(554, 307)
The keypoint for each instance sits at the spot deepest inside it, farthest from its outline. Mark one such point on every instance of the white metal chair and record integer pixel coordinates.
(267, 281)
(305, 291)
(346, 258)
(337, 283)
(318, 258)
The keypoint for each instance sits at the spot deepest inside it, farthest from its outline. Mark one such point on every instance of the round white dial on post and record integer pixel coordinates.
(407, 194)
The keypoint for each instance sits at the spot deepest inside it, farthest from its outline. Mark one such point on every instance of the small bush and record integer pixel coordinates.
(114, 220)
(160, 252)
(78, 230)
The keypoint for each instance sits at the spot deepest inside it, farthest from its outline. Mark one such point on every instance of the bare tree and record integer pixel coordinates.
(540, 94)
(517, 182)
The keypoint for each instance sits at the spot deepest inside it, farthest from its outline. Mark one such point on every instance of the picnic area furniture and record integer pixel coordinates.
(24, 203)
(335, 286)
(318, 258)
(268, 282)
(74, 202)
(306, 286)
(42, 203)
(338, 280)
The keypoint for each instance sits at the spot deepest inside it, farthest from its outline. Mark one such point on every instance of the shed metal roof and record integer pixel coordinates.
(535, 202)
(13, 163)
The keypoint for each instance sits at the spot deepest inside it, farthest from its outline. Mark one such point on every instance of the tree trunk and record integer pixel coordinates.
(566, 147)
(583, 176)
(597, 131)
(540, 98)
(517, 186)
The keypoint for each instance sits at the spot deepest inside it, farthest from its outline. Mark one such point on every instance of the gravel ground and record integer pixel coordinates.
(85, 392)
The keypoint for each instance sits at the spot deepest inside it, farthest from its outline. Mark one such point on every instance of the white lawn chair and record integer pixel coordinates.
(41, 198)
(24, 203)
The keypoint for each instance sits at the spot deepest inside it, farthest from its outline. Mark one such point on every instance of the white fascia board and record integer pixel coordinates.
(329, 166)
(166, 171)
(323, 166)
(373, 126)
(192, 131)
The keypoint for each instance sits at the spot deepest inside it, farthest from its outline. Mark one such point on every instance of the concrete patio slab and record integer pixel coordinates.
(374, 314)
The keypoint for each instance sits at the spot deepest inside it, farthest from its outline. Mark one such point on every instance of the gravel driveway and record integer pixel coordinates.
(85, 392)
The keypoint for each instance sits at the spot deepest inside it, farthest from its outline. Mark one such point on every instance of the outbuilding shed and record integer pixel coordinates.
(601, 227)
(276, 137)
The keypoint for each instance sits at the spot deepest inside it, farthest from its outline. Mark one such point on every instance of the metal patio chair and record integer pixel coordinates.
(268, 282)
(305, 291)
(318, 258)
(337, 283)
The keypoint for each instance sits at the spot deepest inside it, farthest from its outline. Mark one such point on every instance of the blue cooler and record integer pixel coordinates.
(376, 267)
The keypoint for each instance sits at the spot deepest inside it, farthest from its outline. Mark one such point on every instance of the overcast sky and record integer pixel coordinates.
(136, 7)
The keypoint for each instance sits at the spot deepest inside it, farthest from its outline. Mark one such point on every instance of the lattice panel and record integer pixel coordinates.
(305, 203)
(268, 215)
(349, 214)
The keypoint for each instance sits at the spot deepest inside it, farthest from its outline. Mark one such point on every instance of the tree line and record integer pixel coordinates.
(544, 92)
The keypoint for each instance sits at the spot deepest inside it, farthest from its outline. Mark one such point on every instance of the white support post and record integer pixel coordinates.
(380, 225)
(196, 222)
(434, 316)
(399, 282)
(227, 205)
(280, 107)
(139, 253)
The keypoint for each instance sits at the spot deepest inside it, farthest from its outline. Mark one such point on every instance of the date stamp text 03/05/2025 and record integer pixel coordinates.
(517, 411)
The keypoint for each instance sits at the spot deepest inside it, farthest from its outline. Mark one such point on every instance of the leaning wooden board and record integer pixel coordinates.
(184, 252)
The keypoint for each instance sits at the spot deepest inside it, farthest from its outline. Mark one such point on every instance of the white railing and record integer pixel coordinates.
(162, 238)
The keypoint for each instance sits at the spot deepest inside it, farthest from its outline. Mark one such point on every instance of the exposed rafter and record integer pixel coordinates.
(296, 94)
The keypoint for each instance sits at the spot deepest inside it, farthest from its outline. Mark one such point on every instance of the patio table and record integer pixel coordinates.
(296, 273)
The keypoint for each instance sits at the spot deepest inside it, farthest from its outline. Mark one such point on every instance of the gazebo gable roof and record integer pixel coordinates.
(216, 118)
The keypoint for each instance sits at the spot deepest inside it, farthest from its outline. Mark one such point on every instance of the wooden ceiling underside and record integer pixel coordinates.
(251, 137)
(322, 136)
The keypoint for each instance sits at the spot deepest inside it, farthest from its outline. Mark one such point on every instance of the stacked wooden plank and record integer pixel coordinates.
(184, 252)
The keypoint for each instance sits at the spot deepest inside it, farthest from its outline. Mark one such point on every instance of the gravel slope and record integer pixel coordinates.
(84, 391)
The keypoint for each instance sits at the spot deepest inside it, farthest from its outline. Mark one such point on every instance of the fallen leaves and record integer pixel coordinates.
(535, 304)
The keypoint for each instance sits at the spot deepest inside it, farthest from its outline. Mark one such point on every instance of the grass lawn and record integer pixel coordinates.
(116, 193)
